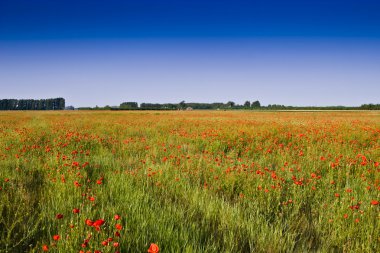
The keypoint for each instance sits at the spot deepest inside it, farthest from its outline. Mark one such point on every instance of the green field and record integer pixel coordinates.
(199, 181)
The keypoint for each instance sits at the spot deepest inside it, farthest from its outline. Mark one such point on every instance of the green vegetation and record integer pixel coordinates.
(189, 181)
(31, 104)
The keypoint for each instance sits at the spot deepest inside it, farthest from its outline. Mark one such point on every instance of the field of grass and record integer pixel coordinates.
(189, 181)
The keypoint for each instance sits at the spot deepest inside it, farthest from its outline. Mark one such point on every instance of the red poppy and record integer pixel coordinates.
(98, 223)
(59, 216)
(374, 202)
(89, 222)
(75, 210)
(153, 248)
(117, 217)
(45, 248)
(56, 237)
(118, 226)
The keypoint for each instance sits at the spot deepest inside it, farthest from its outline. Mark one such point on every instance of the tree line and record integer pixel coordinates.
(181, 106)
(255, 105)
(32, 104)
(59, 104)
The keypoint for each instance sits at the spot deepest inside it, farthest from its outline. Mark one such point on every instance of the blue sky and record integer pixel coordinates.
(107, 52)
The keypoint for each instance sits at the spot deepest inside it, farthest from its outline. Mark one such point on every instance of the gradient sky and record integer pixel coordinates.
(91, 53)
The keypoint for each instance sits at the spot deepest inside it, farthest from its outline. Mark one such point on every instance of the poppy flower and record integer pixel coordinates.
(89, 222)
(75, 210)
(374, 202)
(98, 223)
(117, 217)
(153, 248)
(118, 226)
(59, 216)
(56, 237)
(45, 248)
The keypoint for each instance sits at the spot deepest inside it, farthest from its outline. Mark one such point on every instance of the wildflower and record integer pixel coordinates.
(153, 248)
(374, 202)
(75, 210)
(98, 223)
(56, 237)
(118, 226)
(117, 217)
(89, 222)
(45, 247)
(59, 216)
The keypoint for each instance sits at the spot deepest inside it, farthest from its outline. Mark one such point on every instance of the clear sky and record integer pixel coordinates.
(324, 52)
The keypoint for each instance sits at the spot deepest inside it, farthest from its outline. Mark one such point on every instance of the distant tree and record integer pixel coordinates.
(129, 105)
(370, 107)
(230, 104)
(256, 104)
(247, 104)
(182, 104)
(31, 104)
(61, 103)
(150, 106)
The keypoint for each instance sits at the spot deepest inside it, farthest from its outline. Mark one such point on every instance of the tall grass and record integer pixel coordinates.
(190, 181)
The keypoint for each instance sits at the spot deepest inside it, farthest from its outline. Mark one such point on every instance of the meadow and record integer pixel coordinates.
(189, 181)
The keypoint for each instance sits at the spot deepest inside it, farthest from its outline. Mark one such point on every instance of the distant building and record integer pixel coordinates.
(70, 107)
